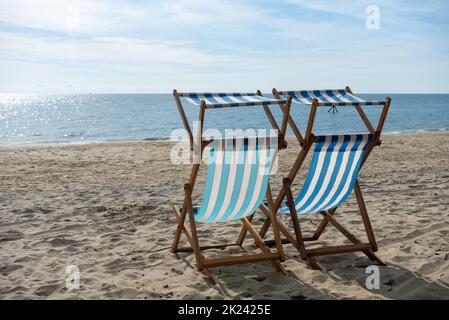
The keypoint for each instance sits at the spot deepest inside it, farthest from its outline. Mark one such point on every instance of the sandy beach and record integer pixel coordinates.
(106, 208)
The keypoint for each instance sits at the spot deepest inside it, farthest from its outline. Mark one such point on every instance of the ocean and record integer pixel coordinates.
(85, 118)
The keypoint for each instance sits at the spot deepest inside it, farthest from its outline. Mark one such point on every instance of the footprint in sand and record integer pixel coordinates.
(10, 236)
(46, 290)
(6, 270)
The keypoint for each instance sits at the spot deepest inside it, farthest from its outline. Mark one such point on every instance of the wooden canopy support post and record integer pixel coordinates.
(269, 114)
(362, 114)
(285, 121)
(183, 117)
(200, 146)
(383, 117)
(282, 130)
(291, 123)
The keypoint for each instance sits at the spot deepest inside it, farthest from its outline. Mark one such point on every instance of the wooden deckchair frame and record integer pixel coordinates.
(298, 240)
(190, 231)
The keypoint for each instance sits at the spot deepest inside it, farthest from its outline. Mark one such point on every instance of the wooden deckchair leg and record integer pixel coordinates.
(340, 228)
(274, 224)
(196, 245)
(321, 227)
(243, 232)
(297, 227)
(282, 228)
(261, 245)
(369, 253)
(298, 233)
(294, 217)
(265, 226)
(346, 233)
(365, 218)
(207, 272)
(298, 242)
(210, 275)
(185, 229)
(319, 231)
(181, 220)
(179, 230)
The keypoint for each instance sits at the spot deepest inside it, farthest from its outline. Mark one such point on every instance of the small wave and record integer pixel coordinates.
(418, 131)
(156, 139)
(73, 134)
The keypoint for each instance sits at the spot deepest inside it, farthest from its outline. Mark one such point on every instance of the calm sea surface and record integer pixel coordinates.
(115, 117)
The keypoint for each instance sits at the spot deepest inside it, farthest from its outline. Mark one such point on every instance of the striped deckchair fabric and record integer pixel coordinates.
(229, 100)
(328, 98)
(237, 178)
(333, 172)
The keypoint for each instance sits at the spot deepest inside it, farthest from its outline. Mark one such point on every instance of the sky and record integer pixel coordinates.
(137, 46)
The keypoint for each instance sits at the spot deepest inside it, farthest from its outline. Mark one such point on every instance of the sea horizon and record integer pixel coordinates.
(101, 117)
(224, 91)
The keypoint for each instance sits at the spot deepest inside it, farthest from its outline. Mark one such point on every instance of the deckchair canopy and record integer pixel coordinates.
(229, 100)
(338, 97)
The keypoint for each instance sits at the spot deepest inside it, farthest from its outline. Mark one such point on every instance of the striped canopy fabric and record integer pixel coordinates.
(333, 171)
(329, 98)
(237, 178)
(229, 100)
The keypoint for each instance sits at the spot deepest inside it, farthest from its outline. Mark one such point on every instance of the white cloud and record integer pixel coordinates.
(152, 46)
(399, 9)
(95, 16)
(100, 17)
(102, 50)
(342, 7)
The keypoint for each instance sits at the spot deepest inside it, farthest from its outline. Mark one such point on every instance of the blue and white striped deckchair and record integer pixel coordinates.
(237, 182)
(333, 172)
(336, 161)
(237, 177)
